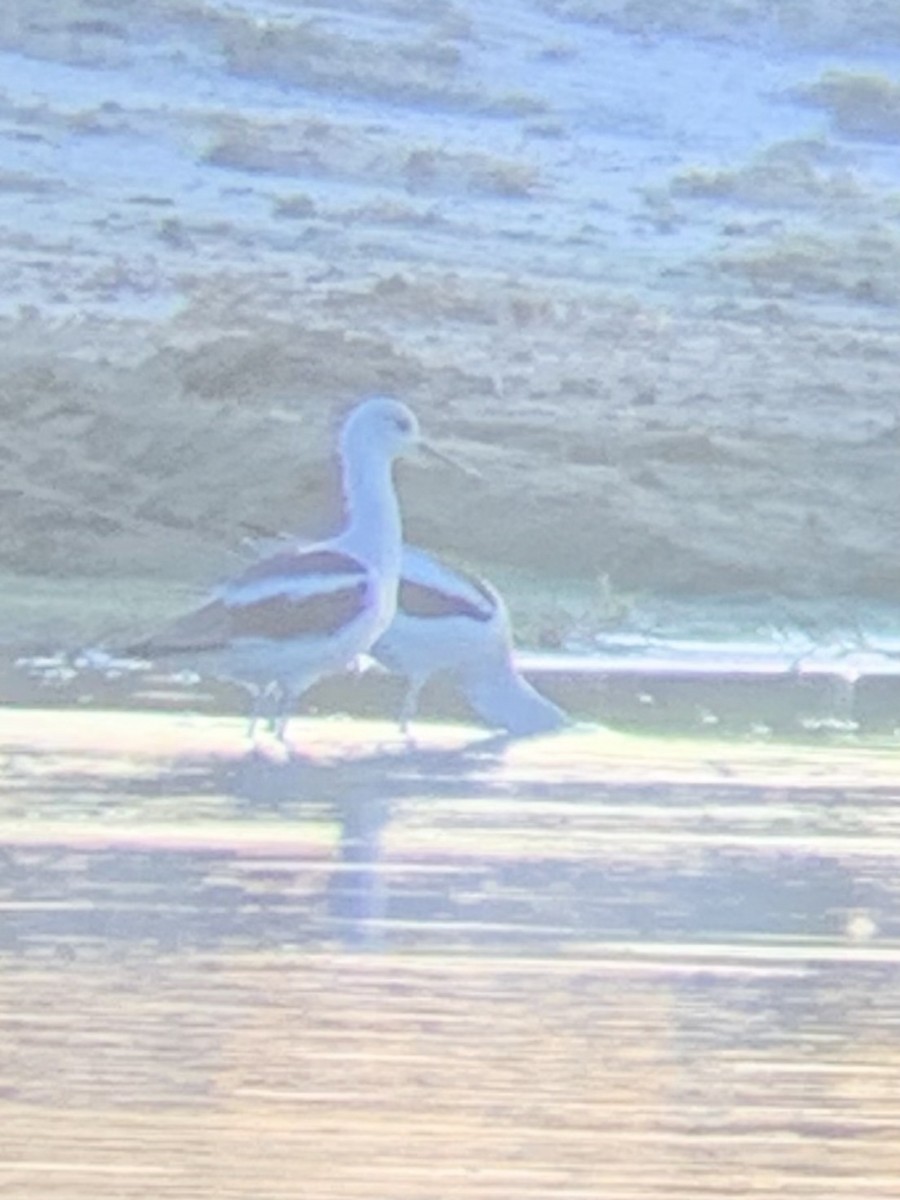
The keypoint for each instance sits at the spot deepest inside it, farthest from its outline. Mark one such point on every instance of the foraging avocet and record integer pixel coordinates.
(308, 611)
(449, 622)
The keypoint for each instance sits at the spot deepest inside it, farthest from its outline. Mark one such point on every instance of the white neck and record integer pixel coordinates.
(374, 531)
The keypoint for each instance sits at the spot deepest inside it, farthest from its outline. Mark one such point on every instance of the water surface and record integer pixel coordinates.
(596, 965)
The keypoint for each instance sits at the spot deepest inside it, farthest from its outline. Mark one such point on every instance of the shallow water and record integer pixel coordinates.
(597, 965)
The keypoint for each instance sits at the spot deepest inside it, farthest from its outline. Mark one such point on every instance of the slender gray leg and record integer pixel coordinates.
(256, 710)
(410, 704)
(282, 712)
(273, 693)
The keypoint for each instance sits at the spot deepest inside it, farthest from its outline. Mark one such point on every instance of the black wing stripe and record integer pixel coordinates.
(204, 629)
(294, 564)
(483, 590)
(417, 600)
(282, 617)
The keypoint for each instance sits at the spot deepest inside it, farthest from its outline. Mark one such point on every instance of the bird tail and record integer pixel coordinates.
(504, 700)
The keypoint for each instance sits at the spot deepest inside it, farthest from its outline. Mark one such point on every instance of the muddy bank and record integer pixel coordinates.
(669, 454)
(663, 330)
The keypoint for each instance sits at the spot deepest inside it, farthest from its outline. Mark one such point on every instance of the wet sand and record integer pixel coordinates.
(589, 965)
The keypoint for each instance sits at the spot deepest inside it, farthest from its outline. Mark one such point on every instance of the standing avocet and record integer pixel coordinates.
(452, 623)
(309, 611)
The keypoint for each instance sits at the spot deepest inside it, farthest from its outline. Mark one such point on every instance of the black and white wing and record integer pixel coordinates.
(293, 594)
(430, 589)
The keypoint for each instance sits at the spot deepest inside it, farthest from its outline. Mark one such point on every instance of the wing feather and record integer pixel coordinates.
(418, 600)
(303, 564)
(292, 594)
(204, 629)
(285, 616)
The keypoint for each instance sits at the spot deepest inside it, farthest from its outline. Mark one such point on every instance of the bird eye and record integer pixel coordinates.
(403, 424)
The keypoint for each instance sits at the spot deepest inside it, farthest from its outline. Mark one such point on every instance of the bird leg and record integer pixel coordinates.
(267, 705)
(281, 715)
(410, 706)
(256, 710)
(274, 693)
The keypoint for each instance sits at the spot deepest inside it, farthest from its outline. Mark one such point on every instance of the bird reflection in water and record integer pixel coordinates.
(361, 796)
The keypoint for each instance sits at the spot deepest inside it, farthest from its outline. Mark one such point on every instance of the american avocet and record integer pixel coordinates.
(452, 623)
(309, 610)
(448, 622)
